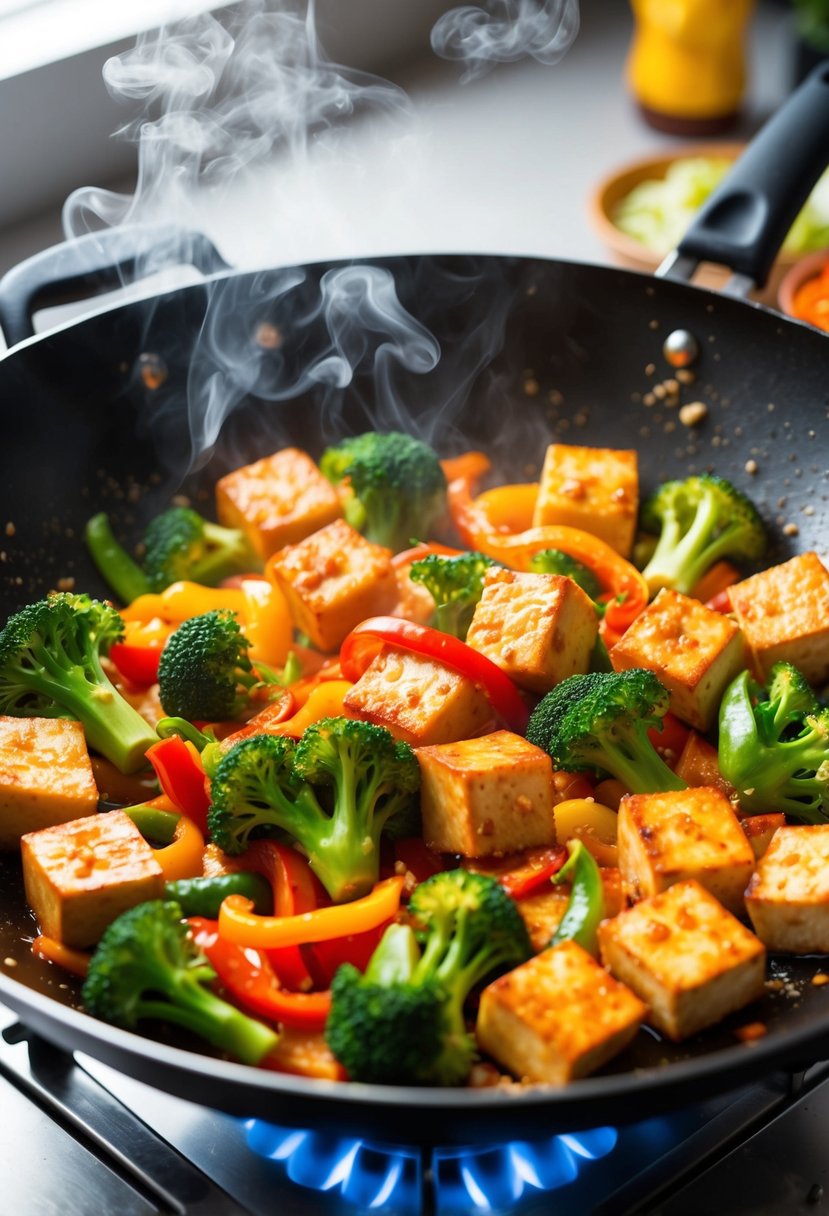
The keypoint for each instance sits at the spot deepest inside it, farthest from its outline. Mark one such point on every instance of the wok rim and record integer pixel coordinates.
(727, 1067)
(205, 281)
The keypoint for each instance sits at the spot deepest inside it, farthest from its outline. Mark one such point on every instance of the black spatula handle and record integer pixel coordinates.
(745, 221)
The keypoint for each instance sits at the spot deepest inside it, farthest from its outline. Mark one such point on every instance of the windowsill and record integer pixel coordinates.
(49, 32)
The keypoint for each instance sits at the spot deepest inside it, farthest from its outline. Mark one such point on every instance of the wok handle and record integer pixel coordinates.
(94, 264)
(745, 220)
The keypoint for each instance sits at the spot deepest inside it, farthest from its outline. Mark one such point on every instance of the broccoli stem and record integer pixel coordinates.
(198, 1010)
(114, 564)
(111, 725)
(344, 856)
(632, 760)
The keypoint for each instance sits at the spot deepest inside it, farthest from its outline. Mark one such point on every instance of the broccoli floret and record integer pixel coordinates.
(204, 674)
(333, 793)
(599, 722)
(455, 584)
(50, 667)
(698, 521)
(398, 485)
(146, 966)
(181, 544)
(555, 561)
(402, 1022)
(774, 745)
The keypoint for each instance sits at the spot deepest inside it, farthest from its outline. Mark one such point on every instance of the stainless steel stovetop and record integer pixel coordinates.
(78, 1139)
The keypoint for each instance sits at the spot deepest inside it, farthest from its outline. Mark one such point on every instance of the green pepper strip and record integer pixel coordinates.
(165, 728)
(124, 576)
(739, 738)
(152, 823)
(585, 908)
(204, 896)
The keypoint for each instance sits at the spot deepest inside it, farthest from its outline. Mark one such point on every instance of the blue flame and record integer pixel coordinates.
(389, 1178)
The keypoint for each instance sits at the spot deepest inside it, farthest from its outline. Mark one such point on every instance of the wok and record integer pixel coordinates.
(96, 417)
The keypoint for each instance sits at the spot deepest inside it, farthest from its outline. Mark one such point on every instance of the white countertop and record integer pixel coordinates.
(504, 164)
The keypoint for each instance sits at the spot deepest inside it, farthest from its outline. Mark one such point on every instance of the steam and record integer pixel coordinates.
(219, 97)
(284, 336)
(503, 31)
(323, 351)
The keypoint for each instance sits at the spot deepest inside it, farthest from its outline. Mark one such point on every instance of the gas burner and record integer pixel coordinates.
(373, 1176)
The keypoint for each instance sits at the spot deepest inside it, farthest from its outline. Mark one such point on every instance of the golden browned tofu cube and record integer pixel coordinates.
(688, 958)
(760, 829)
(694, 651)
(784, 615)
(332, 580)
(419, 700)
(596, 489)
(557, 1017)
(80, 876)
(45, 776)
(544, 909)
(538, 628)
(667, 837)
(277, 501)
(488, 795)
(788, 896)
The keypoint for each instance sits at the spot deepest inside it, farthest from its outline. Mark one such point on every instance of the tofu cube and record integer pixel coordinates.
(694, 651)
(488, 795)
(418, 699)
(668, 837)
(558, 1017)
(595, 489)
(45, 776)
(80, 876)
(544, 909)
(788, 896)
(784, 615)
(277, 501)
(332, 580)
(538, 628)
(688, 958)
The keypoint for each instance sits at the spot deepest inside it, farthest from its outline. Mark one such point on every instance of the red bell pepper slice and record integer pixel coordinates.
(366, 641)
(536, 870)
(673, 736)
(355, 948)
(421, 861)
(295, 890)
(251, 980)
(138, 664)
(180, 774)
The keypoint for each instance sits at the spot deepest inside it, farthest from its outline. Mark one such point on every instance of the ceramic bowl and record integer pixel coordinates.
(627, 251)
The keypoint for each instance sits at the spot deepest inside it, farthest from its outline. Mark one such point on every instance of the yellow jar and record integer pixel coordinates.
(686, 66)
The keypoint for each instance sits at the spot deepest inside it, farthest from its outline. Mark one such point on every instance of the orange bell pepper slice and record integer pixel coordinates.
(181, 600)
(267, 622)
(238, 923)
(76, 962)
(185, 856)
(324, 701)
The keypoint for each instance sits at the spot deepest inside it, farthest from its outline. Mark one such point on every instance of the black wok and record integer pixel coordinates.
(96, 417)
